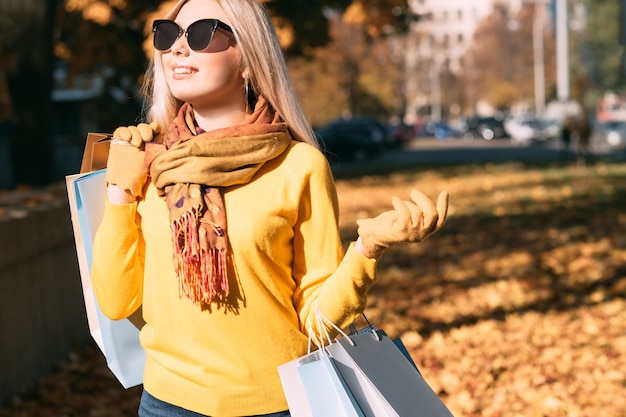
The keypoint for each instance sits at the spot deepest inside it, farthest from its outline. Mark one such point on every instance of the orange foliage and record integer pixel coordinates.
(97, 11)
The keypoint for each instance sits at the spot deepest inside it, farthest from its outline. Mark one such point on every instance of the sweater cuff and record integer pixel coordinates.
(118, 215)
(357, 260)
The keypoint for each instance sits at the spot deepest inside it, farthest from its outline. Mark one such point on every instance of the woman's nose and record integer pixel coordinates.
(180, 46)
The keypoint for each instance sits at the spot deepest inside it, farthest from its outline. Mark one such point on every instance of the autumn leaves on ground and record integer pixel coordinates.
(517, 307)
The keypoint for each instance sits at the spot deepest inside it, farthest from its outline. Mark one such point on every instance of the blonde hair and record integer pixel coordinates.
(260, 54)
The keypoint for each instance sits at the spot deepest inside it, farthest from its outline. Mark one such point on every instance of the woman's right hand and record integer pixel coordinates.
(126, 174)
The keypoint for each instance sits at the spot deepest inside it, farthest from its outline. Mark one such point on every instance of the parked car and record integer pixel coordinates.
(440, 130)
(355, 138)
(488, 128)
(529, 130)
(399, 135)
(608, 136)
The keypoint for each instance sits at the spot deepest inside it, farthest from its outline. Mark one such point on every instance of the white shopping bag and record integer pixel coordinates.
(118, 340)
(314, 388)
(312, 383)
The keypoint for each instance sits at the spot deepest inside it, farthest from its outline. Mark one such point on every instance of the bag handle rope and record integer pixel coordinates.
(321, 319)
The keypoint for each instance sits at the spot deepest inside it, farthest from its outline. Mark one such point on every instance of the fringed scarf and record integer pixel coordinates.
(189, 168)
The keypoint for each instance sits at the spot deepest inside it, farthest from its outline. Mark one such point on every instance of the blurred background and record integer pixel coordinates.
(384, 71)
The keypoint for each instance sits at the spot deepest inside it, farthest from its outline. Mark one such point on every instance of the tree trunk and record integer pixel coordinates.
(29, 79)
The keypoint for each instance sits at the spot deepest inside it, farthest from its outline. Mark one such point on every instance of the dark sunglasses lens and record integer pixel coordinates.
(165, 34)
(199, 34)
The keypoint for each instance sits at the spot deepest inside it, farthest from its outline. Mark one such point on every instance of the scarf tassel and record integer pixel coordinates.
(202, 273)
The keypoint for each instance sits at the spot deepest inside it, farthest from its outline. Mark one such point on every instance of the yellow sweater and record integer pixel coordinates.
(285, 253)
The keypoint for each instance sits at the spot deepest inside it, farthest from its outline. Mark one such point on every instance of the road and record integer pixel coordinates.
(428, 152)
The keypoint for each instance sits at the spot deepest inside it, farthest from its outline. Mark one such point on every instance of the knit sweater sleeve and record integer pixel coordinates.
(337, 282)
(118, 261)
(343, 296)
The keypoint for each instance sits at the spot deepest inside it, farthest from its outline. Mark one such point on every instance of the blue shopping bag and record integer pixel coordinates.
(117, 339)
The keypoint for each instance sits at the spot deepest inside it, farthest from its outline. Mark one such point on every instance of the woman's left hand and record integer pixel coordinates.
(410, 221)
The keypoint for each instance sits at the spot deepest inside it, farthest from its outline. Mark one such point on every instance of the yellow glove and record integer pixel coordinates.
(125, 164)
(137, 135)
(410, 221)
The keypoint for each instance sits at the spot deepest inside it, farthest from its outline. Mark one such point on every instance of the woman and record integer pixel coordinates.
(233, 238)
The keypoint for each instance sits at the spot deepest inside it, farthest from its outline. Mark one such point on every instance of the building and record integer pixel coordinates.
(435, 52)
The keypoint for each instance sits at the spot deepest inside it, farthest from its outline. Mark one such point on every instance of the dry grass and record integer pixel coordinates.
(517, 307)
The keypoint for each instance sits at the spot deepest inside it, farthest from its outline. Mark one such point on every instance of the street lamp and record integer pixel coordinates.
(539, 66)
(562, 59)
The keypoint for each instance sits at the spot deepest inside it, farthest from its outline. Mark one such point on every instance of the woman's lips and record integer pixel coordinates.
(180, 72)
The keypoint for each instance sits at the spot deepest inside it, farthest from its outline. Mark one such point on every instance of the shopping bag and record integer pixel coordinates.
(95, 158)
(312, 384)
(325, 389)
(314, 388)
(292, 387)
(381, 378)
(117, 339)
(396, 341)
(96, 152)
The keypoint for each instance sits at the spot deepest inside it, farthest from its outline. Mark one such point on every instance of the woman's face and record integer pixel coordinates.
(206, 78)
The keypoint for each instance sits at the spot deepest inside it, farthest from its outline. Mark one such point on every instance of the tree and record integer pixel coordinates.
(104, 41)
(596, 55)
(26, 47)
(378, 17)
(355, 74)
(500, 62)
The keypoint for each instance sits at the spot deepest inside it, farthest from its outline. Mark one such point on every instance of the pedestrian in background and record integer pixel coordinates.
(583, 133)
(566, 133)
(222, 220)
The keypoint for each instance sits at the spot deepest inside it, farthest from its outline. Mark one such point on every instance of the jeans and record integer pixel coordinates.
(153, 407)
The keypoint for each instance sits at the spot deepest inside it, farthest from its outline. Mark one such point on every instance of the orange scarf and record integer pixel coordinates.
(189, 169)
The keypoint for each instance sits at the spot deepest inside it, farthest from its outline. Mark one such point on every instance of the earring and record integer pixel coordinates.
(246, 94)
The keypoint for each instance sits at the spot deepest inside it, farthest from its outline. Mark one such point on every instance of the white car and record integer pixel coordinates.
(608, 136)
(529, 130)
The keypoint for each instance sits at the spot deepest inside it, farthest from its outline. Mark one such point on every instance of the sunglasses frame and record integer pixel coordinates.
(215, 22)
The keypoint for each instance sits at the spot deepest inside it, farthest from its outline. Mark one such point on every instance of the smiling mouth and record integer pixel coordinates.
(183, 71)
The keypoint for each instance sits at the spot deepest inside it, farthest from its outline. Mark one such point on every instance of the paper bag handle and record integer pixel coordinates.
(321, 317)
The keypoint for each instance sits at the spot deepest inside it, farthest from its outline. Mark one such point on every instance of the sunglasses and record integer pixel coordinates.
(199, 34)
